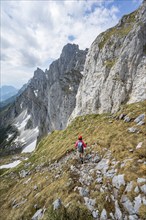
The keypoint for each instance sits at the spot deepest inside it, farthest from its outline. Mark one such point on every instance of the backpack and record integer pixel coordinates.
(80, 147)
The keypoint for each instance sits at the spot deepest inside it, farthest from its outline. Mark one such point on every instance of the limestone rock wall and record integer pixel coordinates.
(115, 68)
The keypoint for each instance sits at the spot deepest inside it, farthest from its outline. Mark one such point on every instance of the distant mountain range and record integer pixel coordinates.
(6, 92)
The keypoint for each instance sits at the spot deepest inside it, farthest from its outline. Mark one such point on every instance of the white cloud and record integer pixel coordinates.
(33, 32)
(15, 76)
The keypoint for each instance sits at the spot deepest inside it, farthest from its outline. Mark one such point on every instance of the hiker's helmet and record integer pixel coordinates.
(80, 138)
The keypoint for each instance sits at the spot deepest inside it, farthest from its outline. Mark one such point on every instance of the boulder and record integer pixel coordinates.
(127, 119)
(99, 180)
(143, 188)
(23, 173)
(57, 204)
(103, 165)
(121, 116)
(129, 187)
(96, 159)
(139, 118)
(127, 204)
(136, 189)
(139, 145)
(83, 191)
(141, 123)
(118, 213)
(144, 200)
(141, 180)
(118, 181)
(103, 215)
(133, 217)
(38, 215)
(95, 214)
(35, 187)
(137, 203)
(90, 203)
(132, 130)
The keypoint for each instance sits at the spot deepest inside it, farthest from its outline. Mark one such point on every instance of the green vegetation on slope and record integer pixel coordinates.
(125, 27)
(110, 63)
(102, 133)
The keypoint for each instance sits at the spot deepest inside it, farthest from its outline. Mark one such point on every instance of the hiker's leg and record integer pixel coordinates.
(82, 158)
(77, 154)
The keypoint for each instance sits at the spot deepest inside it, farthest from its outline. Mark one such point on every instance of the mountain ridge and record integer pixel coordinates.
(7, 91)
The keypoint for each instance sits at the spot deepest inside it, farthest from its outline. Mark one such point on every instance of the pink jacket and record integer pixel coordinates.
(76, 144)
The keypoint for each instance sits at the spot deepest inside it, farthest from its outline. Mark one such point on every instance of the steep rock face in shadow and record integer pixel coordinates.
(48, 100)
(64, 77)
(115, 67)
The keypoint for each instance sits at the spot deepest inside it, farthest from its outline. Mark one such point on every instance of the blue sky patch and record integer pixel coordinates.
(71, 37)
(126, 6)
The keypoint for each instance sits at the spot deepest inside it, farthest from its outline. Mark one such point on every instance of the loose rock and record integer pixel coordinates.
(23, 173)
(57, 204)
(139, 118)
(90, 203)
(118, 213)
(127, 119)
(95, 214)
(132, 130)
(38, 215)
(143, 188)
(141, 180)
(103, 215)
(118, 181)
(83, 191)
(139, 145)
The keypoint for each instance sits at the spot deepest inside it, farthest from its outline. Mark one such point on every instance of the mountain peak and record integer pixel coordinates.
(69, 49)
(38, 73)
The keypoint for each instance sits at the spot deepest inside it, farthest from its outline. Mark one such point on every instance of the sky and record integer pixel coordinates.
(34, 32)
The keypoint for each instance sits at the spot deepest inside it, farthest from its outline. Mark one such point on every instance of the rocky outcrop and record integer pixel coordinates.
(115, 67)
(64, 77)
(47, 101)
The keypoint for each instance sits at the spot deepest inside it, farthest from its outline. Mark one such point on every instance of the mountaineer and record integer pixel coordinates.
(80, 145)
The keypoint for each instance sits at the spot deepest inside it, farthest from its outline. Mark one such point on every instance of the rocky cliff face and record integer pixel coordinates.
(48, 100)
(115, 67)
(21, 119)
(64, 77)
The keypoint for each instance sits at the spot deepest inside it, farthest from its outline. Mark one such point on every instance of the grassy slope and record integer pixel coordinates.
(101, 132)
